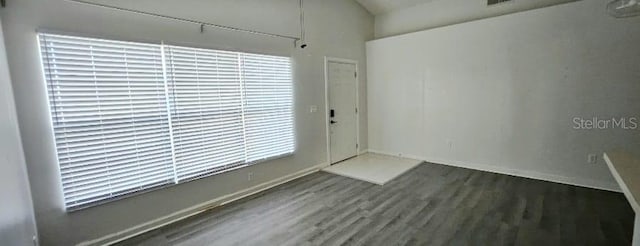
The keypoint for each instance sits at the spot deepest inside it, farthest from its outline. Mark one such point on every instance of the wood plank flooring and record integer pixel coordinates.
(429, 205)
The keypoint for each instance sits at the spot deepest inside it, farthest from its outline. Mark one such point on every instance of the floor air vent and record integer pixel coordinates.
(494, 2)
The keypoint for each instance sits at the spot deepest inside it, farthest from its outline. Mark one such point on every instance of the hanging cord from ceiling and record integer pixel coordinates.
(303, 44)
(201, 24)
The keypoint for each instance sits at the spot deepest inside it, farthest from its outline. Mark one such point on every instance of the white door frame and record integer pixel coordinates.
(328, 59)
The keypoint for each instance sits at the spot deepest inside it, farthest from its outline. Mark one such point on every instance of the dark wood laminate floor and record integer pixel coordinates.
(429, 205)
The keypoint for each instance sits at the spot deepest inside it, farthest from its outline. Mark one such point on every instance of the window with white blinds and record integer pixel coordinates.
(131, 116)
(206, 110)
(109, 114)
(267, 105)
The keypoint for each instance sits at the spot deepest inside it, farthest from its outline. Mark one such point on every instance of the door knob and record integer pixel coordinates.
(333, 122)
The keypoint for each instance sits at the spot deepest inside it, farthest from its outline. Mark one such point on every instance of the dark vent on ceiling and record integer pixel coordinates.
(493, 2)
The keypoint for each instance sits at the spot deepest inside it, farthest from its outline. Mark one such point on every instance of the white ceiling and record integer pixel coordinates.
(377, 7)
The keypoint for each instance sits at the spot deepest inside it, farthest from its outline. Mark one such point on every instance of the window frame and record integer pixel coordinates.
(165, 78)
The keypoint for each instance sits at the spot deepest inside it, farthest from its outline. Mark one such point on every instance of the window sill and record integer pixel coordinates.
(203, 176)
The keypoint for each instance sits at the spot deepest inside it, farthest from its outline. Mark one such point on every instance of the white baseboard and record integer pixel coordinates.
(202, 207)
(514, 172)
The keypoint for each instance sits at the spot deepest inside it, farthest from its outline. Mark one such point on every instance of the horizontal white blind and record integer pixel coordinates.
(132, 116)
(206, 110)
(109, 115)
(268, 106)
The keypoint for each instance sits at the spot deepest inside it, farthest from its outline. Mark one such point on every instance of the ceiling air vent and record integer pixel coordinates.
(494, 2)
(624, 8)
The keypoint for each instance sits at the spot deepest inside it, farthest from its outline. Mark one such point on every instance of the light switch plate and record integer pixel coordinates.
(313, 109)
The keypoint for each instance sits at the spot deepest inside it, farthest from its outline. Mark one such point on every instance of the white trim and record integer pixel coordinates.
(588, 183)
(242, 103)
(168, 104)
(199, 208)
(52, 134)
(326, 110)
(328, 59)
(635, 241)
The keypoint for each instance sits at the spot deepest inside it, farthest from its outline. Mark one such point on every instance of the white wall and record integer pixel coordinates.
(500, 93)
(437, 13)
(17, 224)
(335, 28)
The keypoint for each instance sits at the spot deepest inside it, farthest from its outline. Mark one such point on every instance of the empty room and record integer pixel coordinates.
(319, 122)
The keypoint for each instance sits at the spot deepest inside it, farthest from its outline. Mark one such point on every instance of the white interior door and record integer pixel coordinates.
(342, 101)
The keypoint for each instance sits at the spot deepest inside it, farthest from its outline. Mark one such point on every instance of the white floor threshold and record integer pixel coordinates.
(374, 168)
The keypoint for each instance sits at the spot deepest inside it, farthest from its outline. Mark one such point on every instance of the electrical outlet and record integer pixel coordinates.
(449, 143)
(249, 176)
(592, 158)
